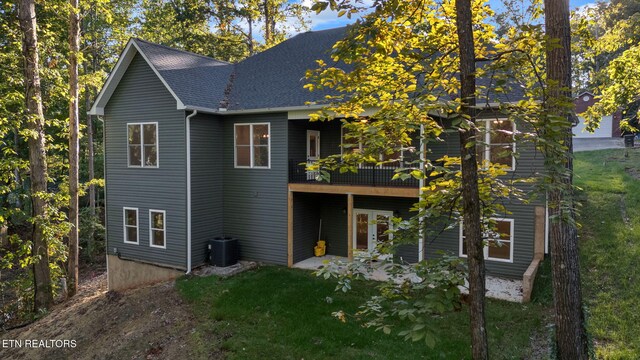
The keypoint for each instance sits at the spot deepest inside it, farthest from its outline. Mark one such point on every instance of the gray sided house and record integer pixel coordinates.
(198, 148)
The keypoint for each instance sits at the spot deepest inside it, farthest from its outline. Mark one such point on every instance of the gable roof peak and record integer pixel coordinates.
(171, 49)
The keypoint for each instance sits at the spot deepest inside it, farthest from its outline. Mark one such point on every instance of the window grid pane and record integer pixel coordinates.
(252, 145)
(134, 134)
(261, 156)
(142, 144)
(243, 136)
(158, 238)
(499, 241)
(157, 227)
(149, 134)
(260, 134)
(151, 155)
(132, 217)
(132, 234)
(499, 146)
(131, 225)
(243, 155)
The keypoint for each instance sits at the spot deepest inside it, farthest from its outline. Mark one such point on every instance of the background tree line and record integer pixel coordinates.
(54, 58)
(65, 49)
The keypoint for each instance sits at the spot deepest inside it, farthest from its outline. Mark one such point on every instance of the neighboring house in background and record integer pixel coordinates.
(609, 125)
(197, 148)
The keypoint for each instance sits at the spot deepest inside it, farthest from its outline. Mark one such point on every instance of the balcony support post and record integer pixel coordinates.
(350, 226)
(290, 228)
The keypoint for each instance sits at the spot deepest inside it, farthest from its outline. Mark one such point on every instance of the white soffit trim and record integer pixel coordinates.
(118, 72)
(304, 114)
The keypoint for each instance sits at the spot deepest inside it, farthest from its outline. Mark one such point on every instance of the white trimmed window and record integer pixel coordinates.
(499, 245)
(142, 144)
(499, 144)
(130, 221)
(351, 145)
(252, 145)
(157, 229)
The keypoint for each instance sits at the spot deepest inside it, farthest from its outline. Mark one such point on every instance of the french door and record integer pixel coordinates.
(369, 227)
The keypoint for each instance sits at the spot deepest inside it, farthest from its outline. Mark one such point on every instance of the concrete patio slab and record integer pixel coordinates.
(497, 288)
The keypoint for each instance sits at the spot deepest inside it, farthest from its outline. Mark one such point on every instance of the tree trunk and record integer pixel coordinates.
(16, 171)
(267, 22)
(74, 146)
(571, 339)
(90, 161)
(251, 50)
(470, 193)
(43, 296)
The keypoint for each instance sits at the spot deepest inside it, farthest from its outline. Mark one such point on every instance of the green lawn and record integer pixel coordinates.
(281, 313)
(610, 249)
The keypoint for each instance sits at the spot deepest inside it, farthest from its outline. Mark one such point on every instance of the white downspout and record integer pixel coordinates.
(188, 126)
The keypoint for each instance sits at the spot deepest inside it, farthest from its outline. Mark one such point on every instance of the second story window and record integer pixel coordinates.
(499, 144)
(252, 143)
(354, 145)
(142, 144)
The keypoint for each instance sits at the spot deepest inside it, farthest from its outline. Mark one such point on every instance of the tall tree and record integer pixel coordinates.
(470, 193)
(37, 153)
(269, 19)
(406, 63)
(74, 145)
(571, 338)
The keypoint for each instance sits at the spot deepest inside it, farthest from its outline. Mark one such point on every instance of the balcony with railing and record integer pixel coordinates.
(367, 175)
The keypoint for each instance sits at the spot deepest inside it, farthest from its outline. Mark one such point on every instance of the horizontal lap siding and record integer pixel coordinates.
(141, 97)
(334, 223)
(306, 215)
(329, 138)
(529, 163)
(206, 184)
(524, 225)
(255, 200)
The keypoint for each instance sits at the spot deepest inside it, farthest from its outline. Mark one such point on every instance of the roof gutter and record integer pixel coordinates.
(220, 111)
(188, 127)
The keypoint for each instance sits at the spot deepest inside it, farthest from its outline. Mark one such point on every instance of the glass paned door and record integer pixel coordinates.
(370, 228)
(313, 151)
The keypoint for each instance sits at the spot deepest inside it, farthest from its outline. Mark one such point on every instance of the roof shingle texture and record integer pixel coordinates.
(195, 79)
(271, 79)
(275, 77)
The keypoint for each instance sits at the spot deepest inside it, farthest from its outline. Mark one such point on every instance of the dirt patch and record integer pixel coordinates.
(146, 323)
(634, 172)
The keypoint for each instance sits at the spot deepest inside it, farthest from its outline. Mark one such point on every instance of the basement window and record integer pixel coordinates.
(142, 145)
(157, 229)
(499, 242)
(130, 217)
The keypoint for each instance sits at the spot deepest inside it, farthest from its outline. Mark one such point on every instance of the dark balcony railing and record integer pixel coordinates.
(367, 175)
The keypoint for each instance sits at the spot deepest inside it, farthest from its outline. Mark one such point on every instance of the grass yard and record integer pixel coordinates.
(610, 249)
(279, 313)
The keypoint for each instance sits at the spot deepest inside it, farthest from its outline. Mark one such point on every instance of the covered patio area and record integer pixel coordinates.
(346, 222)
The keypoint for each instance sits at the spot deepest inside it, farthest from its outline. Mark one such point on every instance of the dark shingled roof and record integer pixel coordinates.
(275, 77)
(270, 79)
(195, 79)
